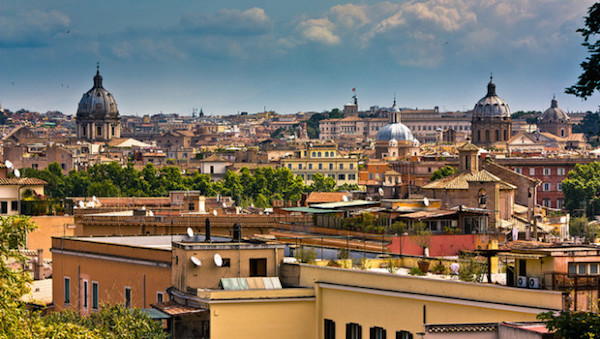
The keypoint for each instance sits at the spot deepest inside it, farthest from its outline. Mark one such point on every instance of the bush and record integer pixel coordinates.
(398, 227)
(440, 268)
(416, 271)
(471, 270)
(360, 264)
(392, 265)
(343, 254)
(306, 255)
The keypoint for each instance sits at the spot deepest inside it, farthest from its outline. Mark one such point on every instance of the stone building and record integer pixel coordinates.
(491, 121)
(395, 140)
(554, 120)
(97, 114)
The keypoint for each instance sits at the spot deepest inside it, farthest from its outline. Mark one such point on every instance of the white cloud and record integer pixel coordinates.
(319, 30)
(350, 15)
(229, 22)
(32, 28)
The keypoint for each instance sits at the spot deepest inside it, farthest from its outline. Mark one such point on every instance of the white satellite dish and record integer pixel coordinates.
(425, 201)
(81, 204)
(17, 173)
(92, 204)
(215, 213)
(196, 261)
(143, 208)
(8, 164)
(345, 198)
(380, 191)
(252, 204)
(218, 260)
(190, 232)
(224, 205)
(150, 213)
(94, 198)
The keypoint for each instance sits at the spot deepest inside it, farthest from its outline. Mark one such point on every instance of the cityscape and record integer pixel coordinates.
(407, 169)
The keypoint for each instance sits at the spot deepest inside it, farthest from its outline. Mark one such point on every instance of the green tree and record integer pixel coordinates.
(589, 81)
(420, 235)
(322, 183)
(442, 172)
(572, 325)
(582, 188)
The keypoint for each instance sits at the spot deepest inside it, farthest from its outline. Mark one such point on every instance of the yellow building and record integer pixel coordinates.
(323, 158)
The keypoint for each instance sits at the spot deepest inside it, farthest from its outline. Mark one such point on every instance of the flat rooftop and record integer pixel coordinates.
(151, 241)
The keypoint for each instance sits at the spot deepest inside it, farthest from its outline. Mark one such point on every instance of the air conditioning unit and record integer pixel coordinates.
(533, 282)
(521, 281)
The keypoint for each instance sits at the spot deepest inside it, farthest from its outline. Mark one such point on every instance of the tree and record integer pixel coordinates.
(322, 183)
(572, 325)
(442, 172)
(589, 80)
(420, 235)
(582, 188)
(16, 321)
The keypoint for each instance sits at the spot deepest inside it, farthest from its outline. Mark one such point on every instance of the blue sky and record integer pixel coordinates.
(228, 56)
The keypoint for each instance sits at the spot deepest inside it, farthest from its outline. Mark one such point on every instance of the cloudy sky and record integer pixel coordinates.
(233, 55)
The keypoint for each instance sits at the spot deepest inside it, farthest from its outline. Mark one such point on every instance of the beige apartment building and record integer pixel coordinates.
(322, 158)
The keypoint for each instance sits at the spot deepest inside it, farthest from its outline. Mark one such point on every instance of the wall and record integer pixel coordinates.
(48, 227)
(147, 272)
(441, 245)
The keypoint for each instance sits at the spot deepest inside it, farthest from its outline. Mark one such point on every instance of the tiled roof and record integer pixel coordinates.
(461, 181)
(321, 197)
(490, 327)
(22, 181)
(468, 146)
(214, 158)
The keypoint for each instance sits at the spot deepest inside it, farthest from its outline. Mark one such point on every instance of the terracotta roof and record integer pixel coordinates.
(322, 197)
(468, 146)
(173, 308)
(22, 181)
(429, 214)
(461, 181)
(214, 158)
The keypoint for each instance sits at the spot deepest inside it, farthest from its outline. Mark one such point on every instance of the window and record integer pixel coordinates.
(546, 186)
(351, 176)
(94, 295)
(559, 186)
(331, 166)
(98, 131)
(314, 154)
(67, 290)
(560, 171)
(518, 170)
(85, 294)
(370, 176)
(320, 166)
(326, 154)
(290, 166)
(560, 203)
(212, 169)
(593, 268)
(341, 166)
(377, 333)
(522, 267)
(329, 329)
(546, 202)
(299, 166)
(546, 171)
(404, 335)
(14, 205)
(581, 269)
(532, 171)
(353, 331)
(309, 166)
(4, 207)
(258, 267)
(351, 166)
(319, 154)
(159, 297)
(342, 177)
(127, 296)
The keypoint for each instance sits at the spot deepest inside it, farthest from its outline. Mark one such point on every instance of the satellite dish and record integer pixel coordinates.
(252, 204)
(143, 208)
(94, 198)
(190, 232)
(196, 261)
(92, 204)
(8, 164)
(215, 213)
(218, 260)
(81, 204)
(17, 173)
(380, 191)
(224, 205)
(425, 201)
(150, 213)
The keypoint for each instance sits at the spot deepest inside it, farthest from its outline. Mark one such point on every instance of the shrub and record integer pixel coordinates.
(392, 265)
(471, 270)
(416, 271)
(440, 268)
(305, 255)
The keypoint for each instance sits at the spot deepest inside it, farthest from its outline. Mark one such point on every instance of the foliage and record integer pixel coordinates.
(366, 222)
(348, 187)
(360, 263)
(527, 114)
(322, 183)
(589, 125)
(572, 324)
(391, 265)
(398, 227)
(581, 227)
(416, 271)
(582, 188)
(442, 172)
(333, 263)
(589, 81)
(343, 254)
(440, 268)
(16, 321)
(306, 255)
(421, 235)
(471, 269)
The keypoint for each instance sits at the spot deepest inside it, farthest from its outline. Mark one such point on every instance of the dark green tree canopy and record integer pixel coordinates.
(442, 172)
(589, 80)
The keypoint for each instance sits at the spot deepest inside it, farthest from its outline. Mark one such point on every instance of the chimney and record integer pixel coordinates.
(237, 232)
(38, 265)
(207, 230)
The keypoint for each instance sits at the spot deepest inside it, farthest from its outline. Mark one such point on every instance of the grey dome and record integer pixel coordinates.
(491, 106)
(397, 131)
(97, 103)
(554, 114)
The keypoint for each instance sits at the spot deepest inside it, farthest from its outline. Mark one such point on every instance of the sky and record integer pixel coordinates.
(230, 56)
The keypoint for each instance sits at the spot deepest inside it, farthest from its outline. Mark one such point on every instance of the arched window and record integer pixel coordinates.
(319, 154)
(505, 135)
(487, 135)
(478, 135)
(562, 132)
(497, 135)
(326, 154)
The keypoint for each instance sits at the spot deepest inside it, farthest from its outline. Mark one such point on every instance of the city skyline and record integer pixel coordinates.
(229, 56)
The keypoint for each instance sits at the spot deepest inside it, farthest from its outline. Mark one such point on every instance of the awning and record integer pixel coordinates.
(154, 313)
(523, 255)
(172, 308)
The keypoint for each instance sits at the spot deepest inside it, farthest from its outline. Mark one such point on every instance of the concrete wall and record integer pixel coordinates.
(48, 227)
(441, 245)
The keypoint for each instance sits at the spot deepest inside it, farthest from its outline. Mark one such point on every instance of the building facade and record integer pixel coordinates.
(491, 121)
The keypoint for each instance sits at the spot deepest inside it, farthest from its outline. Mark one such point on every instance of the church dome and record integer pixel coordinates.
(554, 114)
(491, 106)
(97, 103)
(397, 132)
